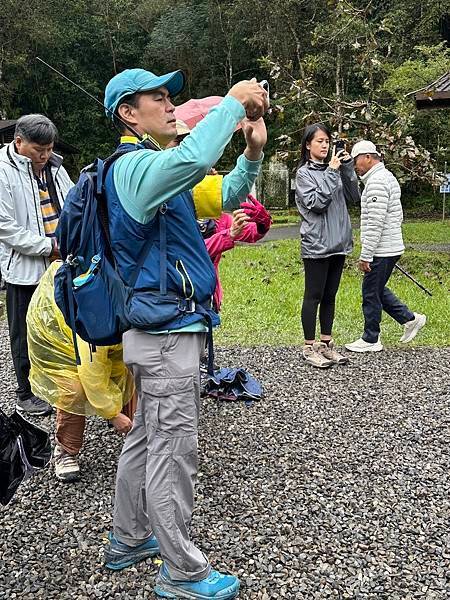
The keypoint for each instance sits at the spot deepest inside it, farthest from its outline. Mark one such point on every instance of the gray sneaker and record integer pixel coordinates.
(34, 406)
(332, 354)
(314, 355)
(67, 468)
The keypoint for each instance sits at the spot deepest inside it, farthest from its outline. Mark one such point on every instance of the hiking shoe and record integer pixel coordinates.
(216, 585)
(332, 354)
(413, 327)
(363, 346)
(66, 465)
(119, 556)
(34, 406)
(314, 355)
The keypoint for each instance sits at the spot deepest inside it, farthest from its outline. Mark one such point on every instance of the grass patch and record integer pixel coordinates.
(414, 232)
(263, 288)
(285, 217)
(427, 232)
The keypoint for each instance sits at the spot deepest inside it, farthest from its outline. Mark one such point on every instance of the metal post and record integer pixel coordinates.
(445, 187)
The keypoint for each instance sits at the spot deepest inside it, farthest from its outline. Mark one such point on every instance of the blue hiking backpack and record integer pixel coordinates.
(94, 300)
(88, 288)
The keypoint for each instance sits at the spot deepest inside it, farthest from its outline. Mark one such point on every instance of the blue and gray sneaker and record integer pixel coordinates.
(216, 585)
(118, 555)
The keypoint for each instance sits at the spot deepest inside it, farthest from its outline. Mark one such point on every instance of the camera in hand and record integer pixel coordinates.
(265, 85)
(340, 145)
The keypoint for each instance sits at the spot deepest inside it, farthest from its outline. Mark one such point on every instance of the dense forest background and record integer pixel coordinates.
(349, 63)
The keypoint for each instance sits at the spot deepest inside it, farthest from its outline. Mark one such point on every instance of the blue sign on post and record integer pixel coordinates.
(445, 187)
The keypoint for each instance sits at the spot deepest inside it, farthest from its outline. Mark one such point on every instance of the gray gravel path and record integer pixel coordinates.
(283, 232)
(430, 247)
(334, 486)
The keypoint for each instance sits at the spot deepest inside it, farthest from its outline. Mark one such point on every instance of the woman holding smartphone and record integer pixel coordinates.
(325, 182)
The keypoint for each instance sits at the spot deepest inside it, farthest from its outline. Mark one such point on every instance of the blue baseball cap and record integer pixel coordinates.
(131, 81)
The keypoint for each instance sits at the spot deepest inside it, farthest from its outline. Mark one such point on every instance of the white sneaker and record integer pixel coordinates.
(413, 327)
(66, 466)
(362, 346)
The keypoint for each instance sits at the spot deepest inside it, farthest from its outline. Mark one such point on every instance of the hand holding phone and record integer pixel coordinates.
(336, 158)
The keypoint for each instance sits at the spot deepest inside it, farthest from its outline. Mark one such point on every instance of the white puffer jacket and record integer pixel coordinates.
(381, 214)
(25, 247)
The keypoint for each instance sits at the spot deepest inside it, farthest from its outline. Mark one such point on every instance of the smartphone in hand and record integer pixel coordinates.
(339, 145)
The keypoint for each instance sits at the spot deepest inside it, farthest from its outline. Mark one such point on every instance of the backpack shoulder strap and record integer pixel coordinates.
(102, 171)
(102, 168)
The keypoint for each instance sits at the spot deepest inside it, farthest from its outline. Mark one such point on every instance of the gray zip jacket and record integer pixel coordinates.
(321, 195)
(25, 247)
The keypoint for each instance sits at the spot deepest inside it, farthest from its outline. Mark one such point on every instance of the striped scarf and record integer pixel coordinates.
(48, 209)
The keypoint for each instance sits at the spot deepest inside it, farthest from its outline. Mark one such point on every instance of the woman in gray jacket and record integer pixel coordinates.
(324, 185)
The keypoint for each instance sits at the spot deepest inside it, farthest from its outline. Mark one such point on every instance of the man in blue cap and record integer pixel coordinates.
(148, 198)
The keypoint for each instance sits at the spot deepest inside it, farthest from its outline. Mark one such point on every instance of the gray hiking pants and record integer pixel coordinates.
(158, 465)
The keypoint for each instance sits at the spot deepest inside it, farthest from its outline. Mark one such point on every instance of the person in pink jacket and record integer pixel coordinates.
(248, 224)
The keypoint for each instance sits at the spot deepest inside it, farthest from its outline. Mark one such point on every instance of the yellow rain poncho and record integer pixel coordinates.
(101, 385)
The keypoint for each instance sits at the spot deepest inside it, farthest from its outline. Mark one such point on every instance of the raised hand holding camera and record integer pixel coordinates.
(252, 96)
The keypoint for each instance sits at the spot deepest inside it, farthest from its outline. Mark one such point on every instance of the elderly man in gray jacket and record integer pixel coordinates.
(33, 185)
(381, 247)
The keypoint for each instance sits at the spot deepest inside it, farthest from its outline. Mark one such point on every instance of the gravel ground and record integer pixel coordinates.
(445, 248)
(334, 486)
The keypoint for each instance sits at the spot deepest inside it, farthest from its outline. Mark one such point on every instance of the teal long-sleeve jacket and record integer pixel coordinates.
(145, 180)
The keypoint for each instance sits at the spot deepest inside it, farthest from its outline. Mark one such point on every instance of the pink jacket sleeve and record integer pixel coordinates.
(249, 234)
(220, 241)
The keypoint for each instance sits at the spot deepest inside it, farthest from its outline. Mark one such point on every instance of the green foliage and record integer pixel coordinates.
(347, 62)
(429, 128)
(429, 64)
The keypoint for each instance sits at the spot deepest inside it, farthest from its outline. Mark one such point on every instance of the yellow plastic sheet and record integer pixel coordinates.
(208, 197)
(99, 386)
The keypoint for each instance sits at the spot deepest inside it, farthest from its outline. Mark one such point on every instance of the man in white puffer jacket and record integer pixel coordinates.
(381, 247)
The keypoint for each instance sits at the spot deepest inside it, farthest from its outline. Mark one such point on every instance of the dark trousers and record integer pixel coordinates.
(322, 278)
(377, 297)
(17, 300)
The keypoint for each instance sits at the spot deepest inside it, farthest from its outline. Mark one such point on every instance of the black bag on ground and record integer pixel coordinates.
(24, 448)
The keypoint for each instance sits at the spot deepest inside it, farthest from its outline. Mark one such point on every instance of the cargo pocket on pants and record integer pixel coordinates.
(171, 405)
(171, 409)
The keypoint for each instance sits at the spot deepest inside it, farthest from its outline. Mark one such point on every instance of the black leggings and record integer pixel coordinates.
(322, 278)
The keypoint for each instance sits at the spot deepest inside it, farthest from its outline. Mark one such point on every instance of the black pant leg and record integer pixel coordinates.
(316, 270)
(17, 300)
(328, 302)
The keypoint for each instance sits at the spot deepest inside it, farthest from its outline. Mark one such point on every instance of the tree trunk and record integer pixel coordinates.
(339, 90)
